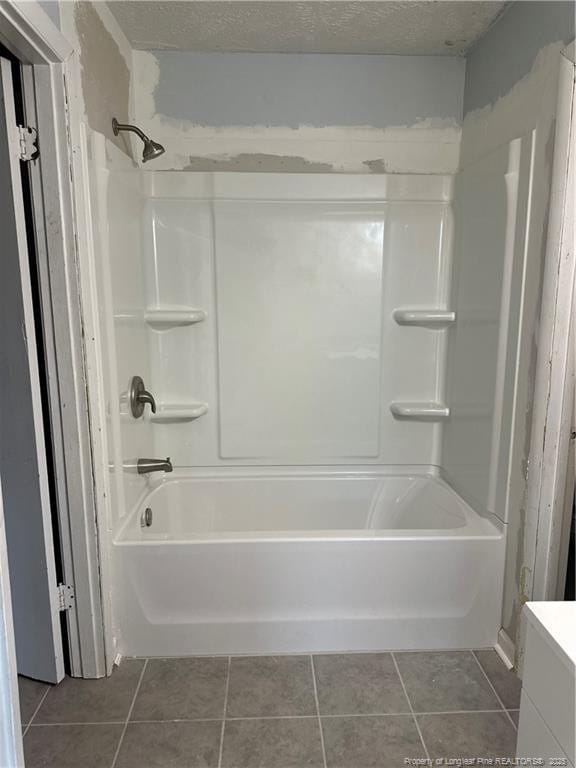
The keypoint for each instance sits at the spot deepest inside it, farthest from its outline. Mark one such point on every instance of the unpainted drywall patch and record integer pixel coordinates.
(376, 166)
(306, 150)
(258, 162)
(429, 145)
(496, 64)
(509, 116)
(105, 74)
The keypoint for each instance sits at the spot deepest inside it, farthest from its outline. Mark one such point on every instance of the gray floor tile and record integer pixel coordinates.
(290, 743)
(445, 681)
(71, 746)
(180, 689)
(362, 683)
(506, 682)
(482, 734)
(271, 686)
(30, 692)
(170, 745)
(107, 699)
(370, 742)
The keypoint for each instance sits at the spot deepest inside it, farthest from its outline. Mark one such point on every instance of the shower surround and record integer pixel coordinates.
(298, 332)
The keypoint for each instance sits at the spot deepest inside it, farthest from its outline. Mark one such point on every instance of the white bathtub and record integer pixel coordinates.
(327, 561)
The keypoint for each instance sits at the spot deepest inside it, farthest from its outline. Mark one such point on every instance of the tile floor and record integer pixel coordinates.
(324, 711)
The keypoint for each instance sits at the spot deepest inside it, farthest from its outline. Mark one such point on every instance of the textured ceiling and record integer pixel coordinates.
(329, 26)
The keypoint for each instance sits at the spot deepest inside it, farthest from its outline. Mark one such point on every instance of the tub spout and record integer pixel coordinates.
(153, 465)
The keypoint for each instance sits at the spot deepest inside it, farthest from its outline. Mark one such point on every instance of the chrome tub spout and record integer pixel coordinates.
(154, 465)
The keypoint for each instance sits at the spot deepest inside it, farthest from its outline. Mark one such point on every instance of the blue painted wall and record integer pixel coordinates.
(507, 51)
(246, 89)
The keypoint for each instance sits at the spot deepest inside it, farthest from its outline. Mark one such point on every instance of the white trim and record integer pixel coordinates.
(505, 648)
(94, 361)
(56, 253)
(30, 34)
(553, 397)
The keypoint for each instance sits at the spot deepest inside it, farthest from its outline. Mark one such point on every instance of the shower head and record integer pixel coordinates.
(151, 148)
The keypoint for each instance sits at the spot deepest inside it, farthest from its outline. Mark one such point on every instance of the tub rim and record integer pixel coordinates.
(477, 526)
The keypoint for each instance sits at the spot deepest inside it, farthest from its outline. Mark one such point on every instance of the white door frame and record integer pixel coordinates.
(553, 415)
(27, 31)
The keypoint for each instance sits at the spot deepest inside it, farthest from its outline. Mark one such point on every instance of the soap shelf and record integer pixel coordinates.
(420, 411)
(167, 413)
(173, 317)
(431, 318)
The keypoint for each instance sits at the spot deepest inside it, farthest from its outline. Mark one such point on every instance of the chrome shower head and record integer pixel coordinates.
(151, 148)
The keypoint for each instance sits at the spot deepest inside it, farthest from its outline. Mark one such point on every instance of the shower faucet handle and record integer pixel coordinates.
(139, 396)
(147, 398)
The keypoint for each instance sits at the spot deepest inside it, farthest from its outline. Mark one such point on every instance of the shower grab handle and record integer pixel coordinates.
(139, 396)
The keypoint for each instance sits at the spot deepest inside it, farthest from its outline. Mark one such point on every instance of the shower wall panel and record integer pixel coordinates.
(298, 357)
(299, 305)
(491, 202)
(117, 208)
(125, 214)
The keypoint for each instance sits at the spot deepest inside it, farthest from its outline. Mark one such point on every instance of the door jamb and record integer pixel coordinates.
(27, 31)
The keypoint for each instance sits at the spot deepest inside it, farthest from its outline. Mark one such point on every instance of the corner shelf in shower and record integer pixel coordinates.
(169, 413)
(163, 318)
(420, 411)
(428, 318)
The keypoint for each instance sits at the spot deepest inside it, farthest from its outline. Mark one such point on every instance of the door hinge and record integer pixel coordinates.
(28, 138)
(65, 597)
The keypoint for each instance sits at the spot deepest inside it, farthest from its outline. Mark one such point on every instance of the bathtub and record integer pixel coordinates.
(283, 562)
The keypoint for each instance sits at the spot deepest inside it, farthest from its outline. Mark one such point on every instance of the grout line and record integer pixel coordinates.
(29, 723)
(495, 691)
(270, 717)
(221, 749)
(416, 723)
(457, 712)
(77, 722)
(508, 712)
(129, 714)
(178, 720)
(316, 699)
(366, 714)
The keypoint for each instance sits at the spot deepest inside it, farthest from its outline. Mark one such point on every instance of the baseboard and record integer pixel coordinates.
(505, 648)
